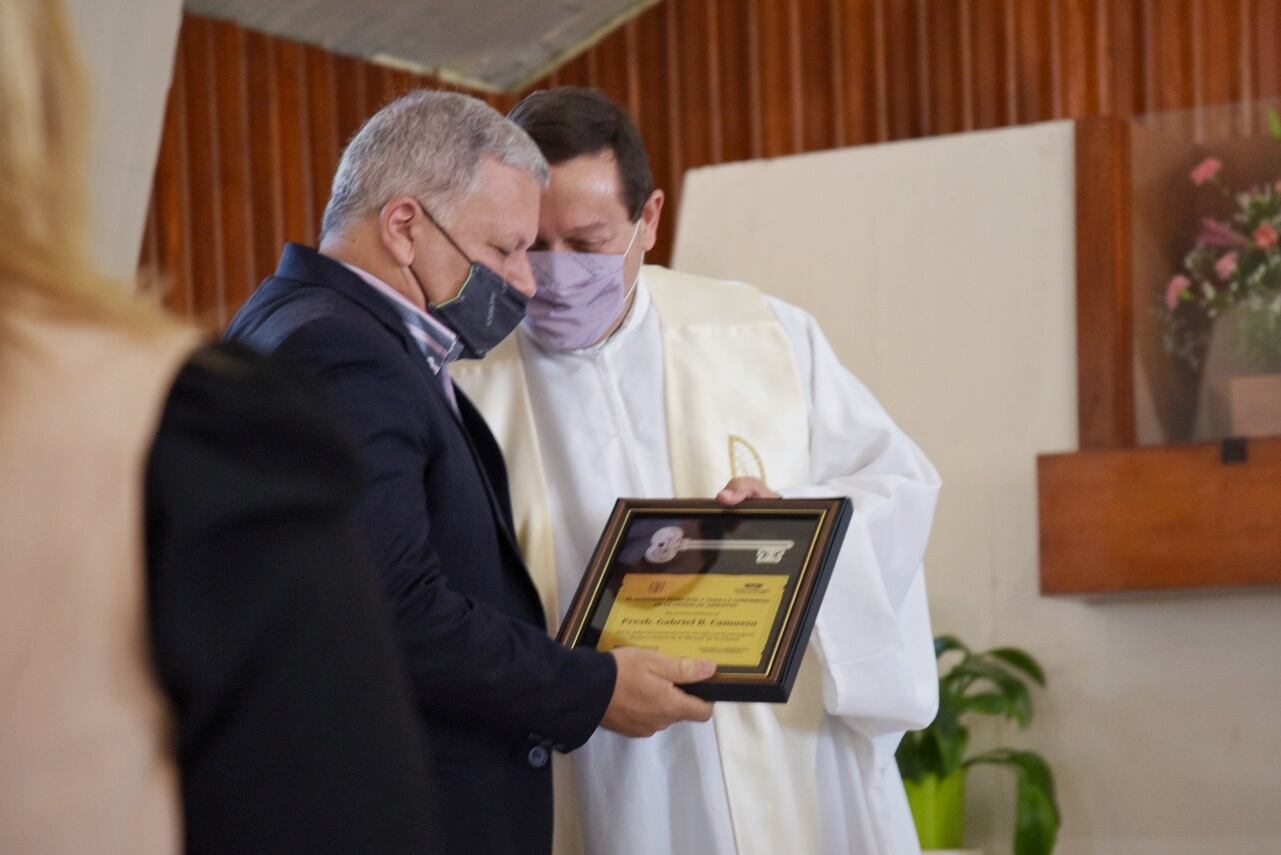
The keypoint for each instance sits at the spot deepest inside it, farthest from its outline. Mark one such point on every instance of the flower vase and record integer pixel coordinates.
(1254, 404)
(1238, 397)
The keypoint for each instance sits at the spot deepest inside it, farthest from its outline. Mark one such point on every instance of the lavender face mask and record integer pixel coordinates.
(580, 296)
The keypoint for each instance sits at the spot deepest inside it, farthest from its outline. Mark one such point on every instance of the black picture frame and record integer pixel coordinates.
(794, 538)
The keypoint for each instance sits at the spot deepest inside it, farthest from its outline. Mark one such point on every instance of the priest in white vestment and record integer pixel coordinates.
(641, 382)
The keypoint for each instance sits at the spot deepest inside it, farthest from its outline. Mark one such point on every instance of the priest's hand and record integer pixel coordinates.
(646, 698)
(743, 487)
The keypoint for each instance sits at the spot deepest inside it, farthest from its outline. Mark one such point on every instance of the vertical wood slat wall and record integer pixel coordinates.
(256, 124)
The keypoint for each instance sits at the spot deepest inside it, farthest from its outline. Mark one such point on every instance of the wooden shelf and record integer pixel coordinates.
(1162, 518)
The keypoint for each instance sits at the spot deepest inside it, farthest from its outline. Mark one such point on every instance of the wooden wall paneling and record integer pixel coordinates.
(1034, 71)
(965, 55)
(379, 87)
(708, 81)
(945, 96)
(351, 93)
(880, 72)
(1055, 41)
(754, 101)
(501, 103)
(737, 116)
(1160, 518)
(295, 168)
(859, 56)
(387, 85)
(631, 61)
(690, 30)
(1121, 91)
(902, 82)
(921, 37)
(1217, 58)
(322, 108)
(791, 47)
(1079, 65)
(1010, 57)
(593, 67)
(264, 149)
(715, 100)
(989, 63)
(582, 69)
(1171, 45)
(235, 202)
(1108, 17)
(1266, 36)
(815, 81)
(836, 71)
(505, 102)
(203, 174)
(671, 129)
(1148, 77)
(572, 73)
(612, 66)
(1244, 41)
(778, 104)
(653, 95)
(1105, 373)
(397, 82)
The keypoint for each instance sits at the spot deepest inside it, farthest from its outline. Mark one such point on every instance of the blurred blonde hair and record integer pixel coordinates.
(44, 113)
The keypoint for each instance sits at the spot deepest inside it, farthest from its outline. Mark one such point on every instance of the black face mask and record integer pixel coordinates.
(484, 311)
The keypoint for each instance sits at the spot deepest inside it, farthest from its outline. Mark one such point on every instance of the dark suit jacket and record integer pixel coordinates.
(494, 692)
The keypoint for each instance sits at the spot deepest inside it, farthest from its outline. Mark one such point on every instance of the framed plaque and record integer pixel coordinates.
(738, 585)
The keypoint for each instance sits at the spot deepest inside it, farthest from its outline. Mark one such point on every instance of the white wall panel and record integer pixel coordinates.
(943, 271)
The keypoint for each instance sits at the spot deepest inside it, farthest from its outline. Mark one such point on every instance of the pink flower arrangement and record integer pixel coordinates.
(1234, 266)
(1226, 266)
(1206, 170)
(1215, 233)
(1178, 284)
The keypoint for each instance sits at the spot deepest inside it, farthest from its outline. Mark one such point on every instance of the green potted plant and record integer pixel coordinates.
(934, 764)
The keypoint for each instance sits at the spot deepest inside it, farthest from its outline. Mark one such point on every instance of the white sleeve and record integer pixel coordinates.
(873, 632)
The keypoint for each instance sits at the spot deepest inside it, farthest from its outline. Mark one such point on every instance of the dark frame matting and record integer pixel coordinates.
(773, 678)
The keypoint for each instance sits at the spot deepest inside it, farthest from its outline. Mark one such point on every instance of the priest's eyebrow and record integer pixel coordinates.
(595, 232)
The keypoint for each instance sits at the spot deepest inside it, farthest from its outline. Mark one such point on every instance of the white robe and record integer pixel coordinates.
(603, 434)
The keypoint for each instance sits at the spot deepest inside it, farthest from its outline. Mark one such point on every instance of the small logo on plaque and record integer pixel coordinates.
(670, 541)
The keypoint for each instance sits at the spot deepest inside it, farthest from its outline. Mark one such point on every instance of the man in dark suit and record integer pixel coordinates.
(422, 259)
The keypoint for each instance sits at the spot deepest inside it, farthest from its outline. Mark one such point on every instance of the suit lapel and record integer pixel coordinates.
(489, 462)
(486, 448)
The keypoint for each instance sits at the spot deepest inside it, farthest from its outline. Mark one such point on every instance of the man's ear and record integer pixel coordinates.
(397, 221)
(650, 215)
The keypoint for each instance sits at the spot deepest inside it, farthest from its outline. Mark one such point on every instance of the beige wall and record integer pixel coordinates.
(943, 271)
(128, 49)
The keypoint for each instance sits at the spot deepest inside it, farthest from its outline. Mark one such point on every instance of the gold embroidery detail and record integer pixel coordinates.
(744, 460)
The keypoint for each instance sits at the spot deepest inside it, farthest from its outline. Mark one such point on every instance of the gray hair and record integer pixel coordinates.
(428, 145)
